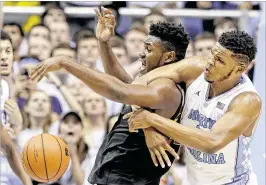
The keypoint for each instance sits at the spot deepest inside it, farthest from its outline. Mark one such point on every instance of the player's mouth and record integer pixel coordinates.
(143, 66)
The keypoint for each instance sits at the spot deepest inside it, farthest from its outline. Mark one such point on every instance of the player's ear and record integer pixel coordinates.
(170, 57)
(241, 68)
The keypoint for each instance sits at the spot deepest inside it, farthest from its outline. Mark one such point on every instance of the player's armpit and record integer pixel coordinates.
(240, 119)
(186, 70)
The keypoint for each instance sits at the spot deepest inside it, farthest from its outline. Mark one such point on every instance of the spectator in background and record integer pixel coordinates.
(204, 43)
(153, 17)
(37, 116)
(53, 14)
(190, 49)
(87, 49)
(16, 33)
(40, 48)
(60, 33)
(40, 31)
(71, 131)
(134, 41)
(224, 24)
(24, 86)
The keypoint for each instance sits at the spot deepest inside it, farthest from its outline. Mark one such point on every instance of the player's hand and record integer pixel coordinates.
(105, 28)
(138, 119)
(13, 112)
(48, 65)
(157, 145)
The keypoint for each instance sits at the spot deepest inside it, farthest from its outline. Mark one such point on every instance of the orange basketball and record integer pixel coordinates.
(45, 157)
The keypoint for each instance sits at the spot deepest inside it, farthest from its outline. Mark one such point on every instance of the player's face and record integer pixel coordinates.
(6, 58)
(134, 41)
(94, 105)
(40, 47)
(60, 33)
(39, 105)
(88, 52)
(153, 55)
(14, 33)
(221, 65)
(71, 127)
(39, 32)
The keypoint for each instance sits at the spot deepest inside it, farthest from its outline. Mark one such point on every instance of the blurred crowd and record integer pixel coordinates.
(61, 104)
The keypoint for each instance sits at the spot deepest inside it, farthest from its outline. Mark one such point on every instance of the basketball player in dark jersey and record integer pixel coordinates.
(124, 158)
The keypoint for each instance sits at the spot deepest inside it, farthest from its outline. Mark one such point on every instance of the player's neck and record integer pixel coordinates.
(218, 88)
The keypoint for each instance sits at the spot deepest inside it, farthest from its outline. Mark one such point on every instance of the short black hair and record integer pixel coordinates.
(173, 37)
(48, 8)
(5, 36)
(17, 25)
(239, 42)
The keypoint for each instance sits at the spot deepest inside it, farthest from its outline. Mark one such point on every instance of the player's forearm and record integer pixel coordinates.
(188, 136)
(14, 159)
(103, 84)
(110, 63)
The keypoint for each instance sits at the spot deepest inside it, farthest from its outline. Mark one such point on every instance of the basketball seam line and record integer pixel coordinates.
(60, 158)
(29, 162)
(44, 159)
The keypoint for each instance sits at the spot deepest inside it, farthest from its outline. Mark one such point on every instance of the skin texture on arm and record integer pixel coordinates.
(13, 156)
(104, 31)
(235, 122)
(186, 70)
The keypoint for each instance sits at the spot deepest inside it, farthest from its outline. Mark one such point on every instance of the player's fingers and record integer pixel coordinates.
(107, 11)
(128, 115)
(165, 156)
(36, 72)
(153, 157)
(171, 151)
(99, 15)
(41, 75)
(159, 157)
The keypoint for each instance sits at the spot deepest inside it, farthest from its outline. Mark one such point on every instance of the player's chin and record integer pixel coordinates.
(208, 78)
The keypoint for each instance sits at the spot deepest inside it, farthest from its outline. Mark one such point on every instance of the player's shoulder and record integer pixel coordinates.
(248, 102)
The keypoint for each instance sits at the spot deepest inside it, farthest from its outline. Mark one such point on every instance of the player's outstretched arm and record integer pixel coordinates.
(160, 94)
(186, 70)
(242, 113)
(105, 29)
(13, 156)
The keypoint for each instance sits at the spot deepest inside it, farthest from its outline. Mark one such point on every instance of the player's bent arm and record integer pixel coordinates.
(110, 63)
(186, 70)
(158, 95)
(243, 111)
(13, 156)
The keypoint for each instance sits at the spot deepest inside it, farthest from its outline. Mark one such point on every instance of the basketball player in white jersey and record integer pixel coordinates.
(220, 114)
(7, 146)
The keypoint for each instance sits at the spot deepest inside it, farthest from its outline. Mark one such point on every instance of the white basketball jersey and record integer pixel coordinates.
(4, 94)
(230, 165)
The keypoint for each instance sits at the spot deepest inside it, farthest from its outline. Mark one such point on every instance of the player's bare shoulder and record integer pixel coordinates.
(186, 70)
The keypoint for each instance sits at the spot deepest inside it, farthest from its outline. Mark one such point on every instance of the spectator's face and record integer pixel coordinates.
(23, 81)
(54, 16)
(6, 57)
(40, 48)
(71, 128)
(39, 105)
(39, 32)
(60, 33)
(64, 52)
(225, 27)
(78, 89)
(190, 50)
(88, 52)
(121, 55)
(203, 47)
(134, 42)
(14, 33)
(153, 19)
(94, 105)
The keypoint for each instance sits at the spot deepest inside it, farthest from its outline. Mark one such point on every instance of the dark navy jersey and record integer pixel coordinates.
(124, 158)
